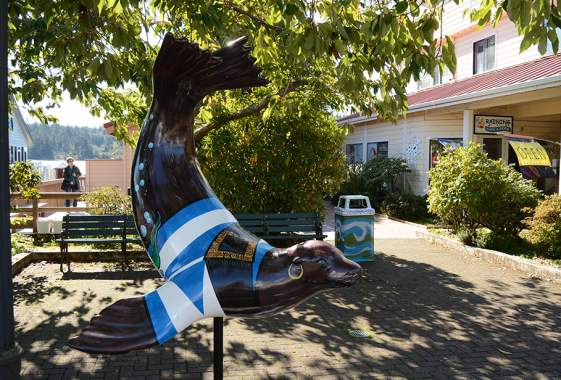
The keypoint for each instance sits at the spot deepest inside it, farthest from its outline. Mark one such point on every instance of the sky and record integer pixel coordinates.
(70, 112)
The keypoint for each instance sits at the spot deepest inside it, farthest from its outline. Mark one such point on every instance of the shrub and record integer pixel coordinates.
(20, 221)
(108, 200)
(21, 243)
(545, 227)
(406, 206)
(286, 163)
(513, 245)
(355, 183)
(377, 178)
(24, 178)
(468, 190)
(381, 174)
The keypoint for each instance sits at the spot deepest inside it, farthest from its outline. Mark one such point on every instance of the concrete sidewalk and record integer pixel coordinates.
(384, 228)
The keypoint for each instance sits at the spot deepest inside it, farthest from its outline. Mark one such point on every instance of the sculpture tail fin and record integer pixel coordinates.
(182, 65)
(122, 327)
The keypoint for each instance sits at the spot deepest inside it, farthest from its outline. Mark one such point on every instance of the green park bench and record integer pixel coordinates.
(288, 227)
(97, 230)
(109, 229)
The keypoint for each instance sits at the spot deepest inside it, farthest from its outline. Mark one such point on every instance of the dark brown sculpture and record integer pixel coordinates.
(212, 267)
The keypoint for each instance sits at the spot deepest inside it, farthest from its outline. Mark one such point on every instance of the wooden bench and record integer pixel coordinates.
(293, 226)
(97, 229)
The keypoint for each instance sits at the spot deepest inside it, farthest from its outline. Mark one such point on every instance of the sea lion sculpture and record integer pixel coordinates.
(212, 266)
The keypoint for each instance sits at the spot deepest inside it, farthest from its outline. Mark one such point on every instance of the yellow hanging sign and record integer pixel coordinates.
(530, 153)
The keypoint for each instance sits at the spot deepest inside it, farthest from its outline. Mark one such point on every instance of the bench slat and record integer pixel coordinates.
(292, 229)
(291, 215)
(86, 218)
(300, 222)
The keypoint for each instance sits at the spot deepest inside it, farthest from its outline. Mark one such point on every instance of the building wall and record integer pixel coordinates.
(17, 139)
(507, 48)
(465, 34)
(409, 139)
(110, 172)
(104, 173)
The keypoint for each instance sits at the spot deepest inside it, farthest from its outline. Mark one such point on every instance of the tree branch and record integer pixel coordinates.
(255, 18)
(250, 110)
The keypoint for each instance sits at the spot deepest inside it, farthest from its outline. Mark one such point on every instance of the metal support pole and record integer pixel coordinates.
(10, 352)
(218, 348)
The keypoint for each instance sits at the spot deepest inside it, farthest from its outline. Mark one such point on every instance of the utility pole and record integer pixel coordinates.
(10, 351)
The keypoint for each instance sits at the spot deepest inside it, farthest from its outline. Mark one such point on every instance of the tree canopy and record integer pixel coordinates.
(358, 53)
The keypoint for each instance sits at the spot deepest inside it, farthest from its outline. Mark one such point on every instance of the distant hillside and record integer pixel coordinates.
(53, 142)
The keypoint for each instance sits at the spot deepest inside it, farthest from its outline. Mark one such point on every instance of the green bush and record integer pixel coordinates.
(468, 190)
(513, 245)
(545, 227)
(406, 206)
(20, 221)
(286, 163)
(355, 183)
(24, 178)
(377, 178)
(108, 200)
(21, 243)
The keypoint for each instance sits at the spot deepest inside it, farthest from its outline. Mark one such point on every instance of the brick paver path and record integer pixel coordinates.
(432, 314)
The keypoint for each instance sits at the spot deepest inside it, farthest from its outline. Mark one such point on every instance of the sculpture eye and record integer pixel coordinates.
(322, 262)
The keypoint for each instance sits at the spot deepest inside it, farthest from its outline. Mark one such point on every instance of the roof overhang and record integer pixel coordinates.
(534, 85)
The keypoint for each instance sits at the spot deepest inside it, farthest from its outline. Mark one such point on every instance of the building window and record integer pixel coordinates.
(354, 153)
(434, 79)
(493, 147)
(438, 146)
(374, 149)
(11, 155)
(484, 55)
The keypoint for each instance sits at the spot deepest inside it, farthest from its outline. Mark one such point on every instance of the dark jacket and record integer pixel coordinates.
(70, 178)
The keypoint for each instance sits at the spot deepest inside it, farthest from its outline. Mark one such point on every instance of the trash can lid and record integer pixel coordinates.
(354, 203)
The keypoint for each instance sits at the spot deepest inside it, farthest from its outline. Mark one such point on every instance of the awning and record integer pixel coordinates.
(530, 153)
(451, 143)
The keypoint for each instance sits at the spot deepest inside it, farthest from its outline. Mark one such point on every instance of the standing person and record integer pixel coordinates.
(71, 180)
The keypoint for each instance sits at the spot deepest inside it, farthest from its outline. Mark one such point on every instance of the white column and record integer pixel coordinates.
(364, 143)
(468, 127)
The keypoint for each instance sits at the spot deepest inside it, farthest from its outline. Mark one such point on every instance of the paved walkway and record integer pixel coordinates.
(384, 228)
(432, 314)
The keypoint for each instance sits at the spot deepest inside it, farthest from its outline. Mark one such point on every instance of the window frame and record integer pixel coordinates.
(360, 158)
(368, 158)
(474, 63)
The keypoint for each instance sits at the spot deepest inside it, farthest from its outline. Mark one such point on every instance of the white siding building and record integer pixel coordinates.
(492, 79)
(18, 135)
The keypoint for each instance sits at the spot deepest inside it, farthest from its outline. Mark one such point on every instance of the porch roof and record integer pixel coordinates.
(543, 72)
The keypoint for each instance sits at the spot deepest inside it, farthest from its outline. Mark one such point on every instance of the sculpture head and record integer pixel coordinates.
(322, 264)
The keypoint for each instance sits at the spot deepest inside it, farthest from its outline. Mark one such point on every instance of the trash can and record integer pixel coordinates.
(354, 227)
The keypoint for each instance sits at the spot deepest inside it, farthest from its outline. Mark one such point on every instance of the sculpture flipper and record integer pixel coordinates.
(119, 328)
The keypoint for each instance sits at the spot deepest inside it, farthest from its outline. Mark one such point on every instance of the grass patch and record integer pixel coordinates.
(511, 245)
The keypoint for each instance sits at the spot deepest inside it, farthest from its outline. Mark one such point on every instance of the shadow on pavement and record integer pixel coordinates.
(425, 322)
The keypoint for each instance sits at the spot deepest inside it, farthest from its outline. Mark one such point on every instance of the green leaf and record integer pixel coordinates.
(542, 46)
(401, 6)
(100, 5)
(290, 9)
(527, 41)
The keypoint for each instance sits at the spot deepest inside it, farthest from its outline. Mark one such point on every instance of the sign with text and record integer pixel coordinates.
(530, 153)
(490, 125)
